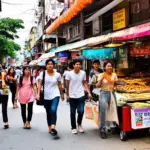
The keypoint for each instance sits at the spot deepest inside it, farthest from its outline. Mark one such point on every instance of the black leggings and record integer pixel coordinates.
(30, 112)
(13, 91)
(4, 100)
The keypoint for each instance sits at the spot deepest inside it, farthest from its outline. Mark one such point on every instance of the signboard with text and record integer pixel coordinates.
(140, 50)
(119, 19)
(140, 118)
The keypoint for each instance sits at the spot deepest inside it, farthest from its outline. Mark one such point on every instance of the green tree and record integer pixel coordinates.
(8, 32)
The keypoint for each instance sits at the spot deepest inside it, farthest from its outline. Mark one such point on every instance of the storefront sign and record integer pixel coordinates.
(63, 59)
(140, 118)
(140, 51)
(75, 54)
(119, 19)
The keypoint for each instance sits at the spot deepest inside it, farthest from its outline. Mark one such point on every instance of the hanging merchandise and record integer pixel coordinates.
(69, 14)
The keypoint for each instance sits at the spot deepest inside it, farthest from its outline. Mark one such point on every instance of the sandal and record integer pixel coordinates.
(6, 126)
(53, 132)
(28, 126)
(25, 126)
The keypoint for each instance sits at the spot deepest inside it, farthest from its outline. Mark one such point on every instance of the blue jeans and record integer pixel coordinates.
(76, 104)
(51, 110)
(104, 103)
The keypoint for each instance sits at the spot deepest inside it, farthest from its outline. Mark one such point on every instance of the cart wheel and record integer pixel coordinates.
(123, 136)
(113, 130)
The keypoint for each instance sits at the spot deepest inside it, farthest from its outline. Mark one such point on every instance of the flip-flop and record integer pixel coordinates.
(53, 132)
(6, 126)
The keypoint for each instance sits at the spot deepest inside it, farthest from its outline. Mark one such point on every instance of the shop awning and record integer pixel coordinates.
(46, 56)
(33, 63)
(99, 39)
(104, 53)
(68, 15)
(133, 32)
(72, 46)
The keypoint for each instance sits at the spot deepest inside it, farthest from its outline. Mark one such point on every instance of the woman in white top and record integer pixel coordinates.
(52, 92)
(107, 82)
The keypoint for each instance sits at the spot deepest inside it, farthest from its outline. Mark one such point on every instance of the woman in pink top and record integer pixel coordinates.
(26, 91)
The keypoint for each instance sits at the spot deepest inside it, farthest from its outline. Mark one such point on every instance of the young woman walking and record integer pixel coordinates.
(52, 92)
(11, 79)
(26, 90)
(107, 82)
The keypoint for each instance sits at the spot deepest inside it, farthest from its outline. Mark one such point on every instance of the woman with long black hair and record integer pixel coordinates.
(26, 91)
(11, 78)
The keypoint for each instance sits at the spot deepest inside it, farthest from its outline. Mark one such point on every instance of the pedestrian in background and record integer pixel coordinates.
(41, 69)
(26, 90)
(69, 68)
(52, 92)
(18, 72)
(76, 83)
(4, 92)
(11, 79)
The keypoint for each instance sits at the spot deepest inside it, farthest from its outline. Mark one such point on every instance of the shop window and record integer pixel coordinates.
(140, 11)
(73, 31)
(96, 26)
(107, 21)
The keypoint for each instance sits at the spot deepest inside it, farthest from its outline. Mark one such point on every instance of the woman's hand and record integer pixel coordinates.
(68, 98)
(62, 97)
(37, 97)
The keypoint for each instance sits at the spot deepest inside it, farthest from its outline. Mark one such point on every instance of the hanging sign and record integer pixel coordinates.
(119, 19)
(140, 50)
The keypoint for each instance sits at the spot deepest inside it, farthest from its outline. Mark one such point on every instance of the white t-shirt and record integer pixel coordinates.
(18, 73)
(76, 89)
(65, 73)
(37, 80)
(51, 89)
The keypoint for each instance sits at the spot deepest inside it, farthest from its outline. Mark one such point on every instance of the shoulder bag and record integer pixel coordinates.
(40, 102)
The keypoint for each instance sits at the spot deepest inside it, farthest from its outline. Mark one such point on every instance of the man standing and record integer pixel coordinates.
(76, 83)
(95, 71)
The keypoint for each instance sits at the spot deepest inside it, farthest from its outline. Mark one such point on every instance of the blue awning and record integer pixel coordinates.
(103, 53)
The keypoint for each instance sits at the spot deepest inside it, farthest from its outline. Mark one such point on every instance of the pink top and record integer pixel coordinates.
(26, 93)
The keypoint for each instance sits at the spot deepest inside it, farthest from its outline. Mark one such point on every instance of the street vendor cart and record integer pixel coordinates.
(133, 106)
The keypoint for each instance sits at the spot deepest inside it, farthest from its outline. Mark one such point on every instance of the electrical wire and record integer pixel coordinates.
(15, 3)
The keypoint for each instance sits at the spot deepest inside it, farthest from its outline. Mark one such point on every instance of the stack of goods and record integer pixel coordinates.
(134, 86)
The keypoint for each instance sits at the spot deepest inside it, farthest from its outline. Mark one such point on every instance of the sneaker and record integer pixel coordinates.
(103, 134)
(80, 129)
(74, 131)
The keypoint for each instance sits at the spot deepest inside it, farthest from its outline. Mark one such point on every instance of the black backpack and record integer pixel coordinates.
(21, 79)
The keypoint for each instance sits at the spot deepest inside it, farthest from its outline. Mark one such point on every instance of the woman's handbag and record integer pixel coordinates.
(40, 102)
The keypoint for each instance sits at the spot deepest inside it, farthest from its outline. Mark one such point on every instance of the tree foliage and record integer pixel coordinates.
(8, 33)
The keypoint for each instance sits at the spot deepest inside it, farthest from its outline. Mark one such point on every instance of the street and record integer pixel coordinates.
(16, 138)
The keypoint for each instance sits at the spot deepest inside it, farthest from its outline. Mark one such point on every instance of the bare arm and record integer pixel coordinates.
(60, 87)
(67, 87)
(17, 90)
(39, 87)
(85, 84)
(35, 88)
